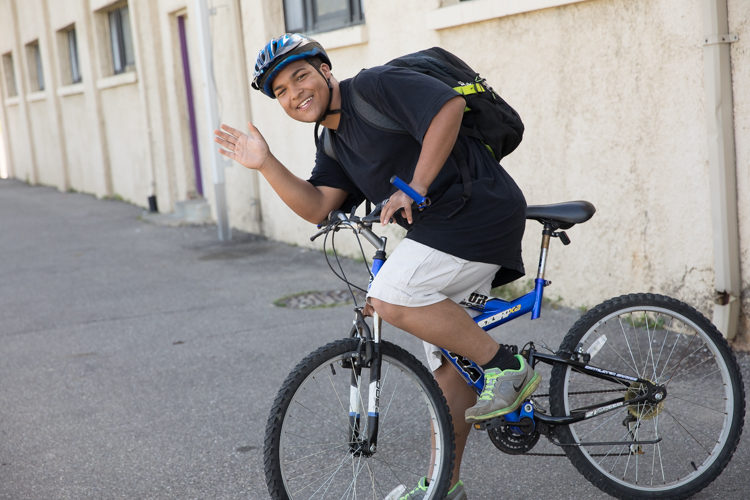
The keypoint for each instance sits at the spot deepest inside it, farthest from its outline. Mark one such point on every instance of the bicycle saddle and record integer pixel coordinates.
(562, 215)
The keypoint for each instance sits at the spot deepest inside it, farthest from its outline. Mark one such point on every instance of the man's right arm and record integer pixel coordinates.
(312, 203)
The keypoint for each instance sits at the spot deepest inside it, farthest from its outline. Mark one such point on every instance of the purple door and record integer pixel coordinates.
(190, 105)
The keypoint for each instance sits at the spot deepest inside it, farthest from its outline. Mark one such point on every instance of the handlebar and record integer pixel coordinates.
(362, 224)
(338, 217)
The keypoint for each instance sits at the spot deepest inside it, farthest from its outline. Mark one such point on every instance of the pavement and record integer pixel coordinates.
(139, 361)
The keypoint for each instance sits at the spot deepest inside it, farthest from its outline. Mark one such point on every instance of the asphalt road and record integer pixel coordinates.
(140, 361)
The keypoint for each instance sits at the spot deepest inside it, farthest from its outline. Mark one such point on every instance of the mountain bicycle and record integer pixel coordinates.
(645, 396)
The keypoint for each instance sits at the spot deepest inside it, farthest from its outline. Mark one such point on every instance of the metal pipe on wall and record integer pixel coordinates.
(721, 164)
(256, 214)
(212, 117)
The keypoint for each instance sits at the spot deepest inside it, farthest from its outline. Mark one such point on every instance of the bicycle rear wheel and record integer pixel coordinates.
(699, 422)
(308, 447)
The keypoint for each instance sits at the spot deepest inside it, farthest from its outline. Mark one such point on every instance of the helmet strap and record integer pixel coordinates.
(328, 110)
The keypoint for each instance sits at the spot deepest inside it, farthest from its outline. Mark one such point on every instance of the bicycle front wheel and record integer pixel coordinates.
(311, 451)
(692, 433)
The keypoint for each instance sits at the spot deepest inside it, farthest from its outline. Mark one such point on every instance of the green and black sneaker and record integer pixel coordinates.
(419, 492)
(504, 391)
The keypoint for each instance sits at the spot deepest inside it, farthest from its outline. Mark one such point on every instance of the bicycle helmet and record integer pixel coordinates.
(278, 53)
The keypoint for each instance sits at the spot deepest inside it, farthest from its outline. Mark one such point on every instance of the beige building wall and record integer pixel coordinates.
(121, 135)
(612, 94)
(739, 22)
(87, 163)
(19, 149)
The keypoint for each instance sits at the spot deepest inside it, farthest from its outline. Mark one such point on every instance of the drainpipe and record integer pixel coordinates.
(256, 215)
(212, 118)
(721, 164)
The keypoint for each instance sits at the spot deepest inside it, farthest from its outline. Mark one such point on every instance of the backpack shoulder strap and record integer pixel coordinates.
(378, 120)
(325, 139)
(372, 116)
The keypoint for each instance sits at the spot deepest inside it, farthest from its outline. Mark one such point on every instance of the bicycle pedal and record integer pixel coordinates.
(636, 450)
(492, 423)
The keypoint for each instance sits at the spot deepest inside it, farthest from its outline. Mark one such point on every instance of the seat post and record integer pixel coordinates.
(546, 233)
(540, 282)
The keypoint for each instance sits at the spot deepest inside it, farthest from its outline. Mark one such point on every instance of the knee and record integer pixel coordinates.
(390, 313)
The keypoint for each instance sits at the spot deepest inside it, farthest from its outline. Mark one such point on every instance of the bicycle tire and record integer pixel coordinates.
(307, 451)
(699, 422)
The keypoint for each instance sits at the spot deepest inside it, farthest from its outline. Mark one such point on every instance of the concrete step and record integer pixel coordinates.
(186, 213)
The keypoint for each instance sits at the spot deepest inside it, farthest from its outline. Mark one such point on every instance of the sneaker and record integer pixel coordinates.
(504, 391)
(419, 492)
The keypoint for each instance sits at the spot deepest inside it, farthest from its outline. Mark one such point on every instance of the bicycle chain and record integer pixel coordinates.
(563, 454)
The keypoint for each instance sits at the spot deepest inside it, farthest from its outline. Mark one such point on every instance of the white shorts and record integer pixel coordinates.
(416, 275)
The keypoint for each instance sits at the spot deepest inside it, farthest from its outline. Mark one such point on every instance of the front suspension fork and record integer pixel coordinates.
(368, 356)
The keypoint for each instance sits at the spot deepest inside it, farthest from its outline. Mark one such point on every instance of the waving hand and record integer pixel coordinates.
(251, 150)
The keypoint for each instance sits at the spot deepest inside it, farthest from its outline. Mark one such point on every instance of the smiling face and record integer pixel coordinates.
(301, 91)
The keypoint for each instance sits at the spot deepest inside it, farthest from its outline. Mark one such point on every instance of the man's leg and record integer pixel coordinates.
(445, 324)
(417, 290)
(460, 397)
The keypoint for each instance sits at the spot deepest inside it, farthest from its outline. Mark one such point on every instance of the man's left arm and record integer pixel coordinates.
(437, 145)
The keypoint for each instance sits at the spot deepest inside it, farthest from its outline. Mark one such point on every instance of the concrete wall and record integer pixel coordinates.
(611, 92)
(18, 147)
(739, 22)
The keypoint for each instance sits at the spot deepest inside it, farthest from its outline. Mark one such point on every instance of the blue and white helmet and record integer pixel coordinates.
(278, 53)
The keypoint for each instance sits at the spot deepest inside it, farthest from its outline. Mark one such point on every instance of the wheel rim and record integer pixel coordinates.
(693, 421)
(314, 449)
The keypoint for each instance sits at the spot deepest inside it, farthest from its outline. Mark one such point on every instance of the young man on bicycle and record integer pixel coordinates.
(459, 245)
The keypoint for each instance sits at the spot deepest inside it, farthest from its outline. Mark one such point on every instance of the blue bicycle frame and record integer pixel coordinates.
(493, 313)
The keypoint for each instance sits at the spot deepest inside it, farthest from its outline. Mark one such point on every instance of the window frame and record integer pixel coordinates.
(121, 40)
(313, 23)
(11, 86)
(35, 66)
(74, 62)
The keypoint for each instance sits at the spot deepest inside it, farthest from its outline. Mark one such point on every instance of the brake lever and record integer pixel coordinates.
(373, 216)
(321, 232)
(335, 218)
(326, 224)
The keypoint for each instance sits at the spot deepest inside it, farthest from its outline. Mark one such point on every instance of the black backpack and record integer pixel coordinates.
(487, 116)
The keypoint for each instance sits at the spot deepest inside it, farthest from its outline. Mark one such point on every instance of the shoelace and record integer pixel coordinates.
(489, 386)
(417, 489)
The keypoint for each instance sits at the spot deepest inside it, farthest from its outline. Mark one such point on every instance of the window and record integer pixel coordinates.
(34, 61)
(10, 75)
(311, 16)
(121, 40)
(75, 69)
(70, 67)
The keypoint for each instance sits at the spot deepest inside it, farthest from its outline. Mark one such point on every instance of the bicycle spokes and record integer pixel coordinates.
(679, 436)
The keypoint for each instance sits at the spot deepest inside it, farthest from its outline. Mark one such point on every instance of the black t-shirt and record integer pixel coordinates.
(490, 224)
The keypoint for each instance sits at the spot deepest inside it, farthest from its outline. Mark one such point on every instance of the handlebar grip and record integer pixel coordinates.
(421, 201)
